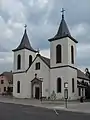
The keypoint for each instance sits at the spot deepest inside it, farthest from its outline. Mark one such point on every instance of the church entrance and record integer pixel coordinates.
(36, 88)
(37, 92)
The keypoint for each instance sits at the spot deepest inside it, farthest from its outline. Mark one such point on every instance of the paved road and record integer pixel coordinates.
(22, 112)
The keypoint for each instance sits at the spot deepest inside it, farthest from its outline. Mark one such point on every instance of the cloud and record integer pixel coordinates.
(40, 3)
(83, 56)
(80, 29)
(6, 61)
(45, 53)
(43, 18)
(6, 56)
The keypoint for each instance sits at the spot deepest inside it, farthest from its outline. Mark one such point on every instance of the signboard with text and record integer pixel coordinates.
(66, 93)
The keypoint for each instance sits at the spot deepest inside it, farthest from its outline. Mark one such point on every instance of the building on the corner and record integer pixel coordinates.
(6, 82)
(36, 76)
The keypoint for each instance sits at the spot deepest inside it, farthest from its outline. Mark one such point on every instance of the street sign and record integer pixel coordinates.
(66, 85)
(66, 96)
(66, 93)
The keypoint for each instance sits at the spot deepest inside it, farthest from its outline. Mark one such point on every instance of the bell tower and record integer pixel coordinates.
(62, 61)
(62, 46)
(23, 54)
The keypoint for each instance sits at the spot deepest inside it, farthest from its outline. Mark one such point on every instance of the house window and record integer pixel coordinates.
(59, 85)
(72, 54)
(2, 81)
(38, 66)
(58, 54)
(79, 91)
(30, 60)
(4, 89)
(19, 62)
(72, 85)
(18, 86)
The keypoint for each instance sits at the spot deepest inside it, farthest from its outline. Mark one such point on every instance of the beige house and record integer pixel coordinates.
(6, 82)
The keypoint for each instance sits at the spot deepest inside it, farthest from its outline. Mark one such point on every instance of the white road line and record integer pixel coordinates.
(56, 112)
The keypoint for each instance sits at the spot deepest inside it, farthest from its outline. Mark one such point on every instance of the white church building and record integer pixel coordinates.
(35, 76)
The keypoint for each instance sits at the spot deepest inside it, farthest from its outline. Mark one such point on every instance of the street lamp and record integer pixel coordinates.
(66, 93)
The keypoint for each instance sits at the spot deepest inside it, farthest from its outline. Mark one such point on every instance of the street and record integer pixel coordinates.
(23, 112)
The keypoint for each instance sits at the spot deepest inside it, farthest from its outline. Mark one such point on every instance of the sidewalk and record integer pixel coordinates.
(79, 107)
(72, 106)
(33, 102)
(8, 99)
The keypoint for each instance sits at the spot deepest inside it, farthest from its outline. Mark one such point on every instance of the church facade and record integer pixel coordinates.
(35, 76)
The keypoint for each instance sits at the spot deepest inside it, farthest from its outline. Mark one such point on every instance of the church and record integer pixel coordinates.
(35, 76)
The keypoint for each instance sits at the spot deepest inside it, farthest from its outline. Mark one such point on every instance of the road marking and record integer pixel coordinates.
(56, 112)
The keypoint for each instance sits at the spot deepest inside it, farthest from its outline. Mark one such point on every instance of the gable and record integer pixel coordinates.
(44, 62)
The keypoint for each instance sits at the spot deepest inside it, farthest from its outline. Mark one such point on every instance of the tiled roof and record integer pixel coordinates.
(63, 31)
(9, 75)
(25, 44)
(46, 60)
(81, 75)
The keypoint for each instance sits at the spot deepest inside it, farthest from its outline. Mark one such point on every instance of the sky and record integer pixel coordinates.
(43, 18)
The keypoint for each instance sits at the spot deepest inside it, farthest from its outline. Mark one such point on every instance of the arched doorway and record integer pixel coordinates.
(36, 91)
(36, 88)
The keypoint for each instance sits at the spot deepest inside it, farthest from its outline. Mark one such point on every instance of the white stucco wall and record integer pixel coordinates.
(72, 73)
(24, 59)
(66, 74)
(70, 43)
(66, 44)
(43, 73)
(27, 53)
(21, 52)
(26, 78)
(23, 85)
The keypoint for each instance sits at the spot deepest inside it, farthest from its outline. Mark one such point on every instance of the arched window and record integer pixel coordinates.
(72, 54)
(58, 54)
(18, 86)
(73, 87)
(59, 85)
(19, 62)
(30, 60)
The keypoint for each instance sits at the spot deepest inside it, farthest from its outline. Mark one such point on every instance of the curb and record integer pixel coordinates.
(52, 108)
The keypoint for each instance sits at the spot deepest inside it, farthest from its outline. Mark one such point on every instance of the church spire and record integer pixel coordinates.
(25, 26)
(63, 30)
(25, 44)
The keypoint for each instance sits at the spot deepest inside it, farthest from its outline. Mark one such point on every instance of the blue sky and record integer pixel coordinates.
(43, 18)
